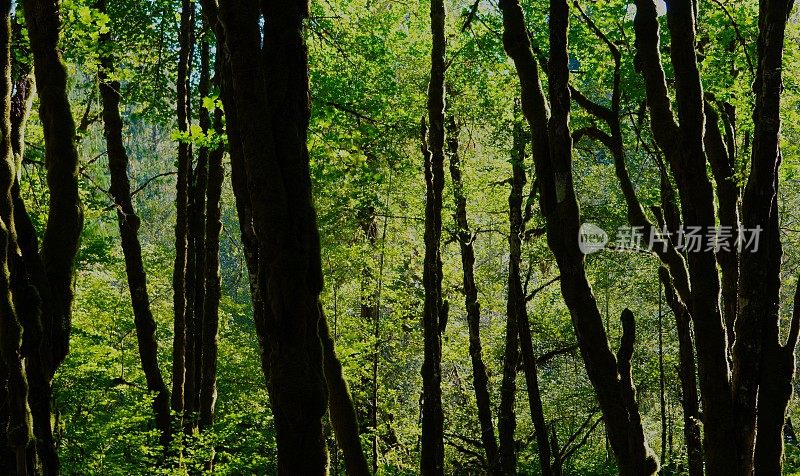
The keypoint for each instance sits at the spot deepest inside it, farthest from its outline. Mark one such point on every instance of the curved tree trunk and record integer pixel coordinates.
(342, 411)
(53, 275)
(552, 151)
(466, 240)
(19, 431)
(129, 224)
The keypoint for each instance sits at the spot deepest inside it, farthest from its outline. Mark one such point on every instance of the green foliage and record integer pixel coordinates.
(369, 65)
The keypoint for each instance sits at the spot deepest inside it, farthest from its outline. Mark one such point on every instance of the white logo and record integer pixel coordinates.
(591, 238)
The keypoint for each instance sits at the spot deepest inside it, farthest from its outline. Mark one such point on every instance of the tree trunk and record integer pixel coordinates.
(181, 212)
(129, 224)
(683, 147)
(769, 378)
(342, 411)
(18, 430)
(197, 237)
(433, 320)
(687, 375)
(213, 227)
(272, 107)
(53, 275)
(552, 153)
(775, 393)
(507, 423)
(239, 179)
(517, 305)
(466, 241)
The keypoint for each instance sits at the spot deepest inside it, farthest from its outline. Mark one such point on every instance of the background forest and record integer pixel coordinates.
(370, 77)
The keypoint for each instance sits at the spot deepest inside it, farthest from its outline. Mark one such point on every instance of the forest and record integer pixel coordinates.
(399, 237)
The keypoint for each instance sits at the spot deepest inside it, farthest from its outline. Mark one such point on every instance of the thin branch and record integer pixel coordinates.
(548, 356)
(536, 291)
(739, 36)
(147, 182)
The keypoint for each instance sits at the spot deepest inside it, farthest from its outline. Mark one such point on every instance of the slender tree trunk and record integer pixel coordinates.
(721, 157)
(129, 224)
(687, 375)
(197, 235)
(342, 411)
(213, 227)
(466, 240)
(433, 320)
(181, 211)
(552, 151)
(507, 419)
(517, 305)
(53, 276)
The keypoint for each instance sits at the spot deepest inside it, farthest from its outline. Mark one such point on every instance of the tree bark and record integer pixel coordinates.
(197, 237)
(129, 224)
(53, 275)
(517, 303)
(684, 149)
(181, 212)
(466, 240)
(764, 368)
(342, 411)
(18, 425)
(507, 423)
(433, 320)
(552, 153)
(213, 228)
(687, 376)
(273, 111)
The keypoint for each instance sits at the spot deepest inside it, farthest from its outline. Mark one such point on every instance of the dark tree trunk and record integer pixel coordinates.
(517, 304)
(721, 156)
(213, 227)
(179, 344)
(17, 423)
(272, 107)
(129, 224)
(683, 147)
(552, 151)
(53, 275)
(433, 320)
(775, 393)
(687, 375)
(662, 397)
(507, 422)
(197, 239)
(770, 377)
(239, 179)
(466, 241)
(342, 411)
